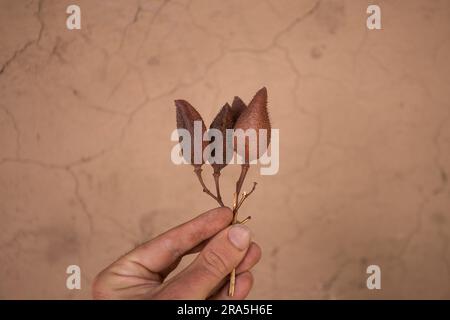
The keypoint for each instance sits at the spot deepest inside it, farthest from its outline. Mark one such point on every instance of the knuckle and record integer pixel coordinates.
(170, 244)
(215, 264)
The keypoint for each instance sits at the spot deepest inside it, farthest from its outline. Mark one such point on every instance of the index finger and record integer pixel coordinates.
(161, 252)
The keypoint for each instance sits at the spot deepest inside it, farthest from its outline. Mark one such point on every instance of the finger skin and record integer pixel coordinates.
(160, 253)
(251, 258)
(244, 283)
(208, 270)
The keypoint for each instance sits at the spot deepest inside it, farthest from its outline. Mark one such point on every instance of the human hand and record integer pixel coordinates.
(141, 273)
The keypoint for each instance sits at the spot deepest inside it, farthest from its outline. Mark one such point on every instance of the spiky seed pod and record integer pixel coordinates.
(186, 116)
(237, 107)
(256, 117)
(222, 122)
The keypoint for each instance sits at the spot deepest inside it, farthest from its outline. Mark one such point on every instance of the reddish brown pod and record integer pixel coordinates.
(187, 115)
(237, 107)
(255, 117)
(223, 122)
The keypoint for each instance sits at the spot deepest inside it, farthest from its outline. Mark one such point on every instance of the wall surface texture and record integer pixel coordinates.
(364, 118)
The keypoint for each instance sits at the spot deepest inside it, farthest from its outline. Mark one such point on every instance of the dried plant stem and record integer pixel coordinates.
(216, 181)
(245, 220)
(240, 182)
(232, 282)
(198, 171)
(235, 201)
(233, 272)
(245, 195)
(236, 205)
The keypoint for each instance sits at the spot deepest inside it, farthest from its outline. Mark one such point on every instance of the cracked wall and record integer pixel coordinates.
(364, 118)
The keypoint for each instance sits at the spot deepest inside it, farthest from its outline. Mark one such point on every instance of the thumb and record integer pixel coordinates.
(223, 253)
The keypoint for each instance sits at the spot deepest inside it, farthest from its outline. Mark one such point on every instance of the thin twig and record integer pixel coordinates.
(245, 195)
(216, 181)
(233, 272)
(198, 172)
(232, 282)
(240, 182)
(245, 220)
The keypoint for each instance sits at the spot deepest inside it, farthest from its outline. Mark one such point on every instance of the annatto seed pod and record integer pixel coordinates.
(256, 117)
(186, 117)
(222, 122)
(237, 107)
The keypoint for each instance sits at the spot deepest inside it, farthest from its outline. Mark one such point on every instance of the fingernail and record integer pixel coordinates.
(239, 236)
